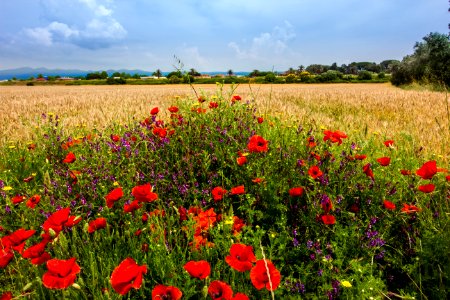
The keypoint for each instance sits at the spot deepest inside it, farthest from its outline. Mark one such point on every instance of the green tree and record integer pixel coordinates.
(157, 73)
(230, 73)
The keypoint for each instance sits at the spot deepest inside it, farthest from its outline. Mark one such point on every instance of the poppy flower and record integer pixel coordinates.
(162, 291)
(96, 224)
(173, 109)
(70, 158)
(238, 190)
(238, 224)
(218, 193)
(427, 188)
(161, 132)
(201, 99)
(296, 191)
(257, 144)
(260, 120)
(388, 205)
(219, 290)
(115, 138)
(128, 274)
(326, 204)
(334, 136)
(17, 199)
(17, 239)
(427, 170)
(6, 255)
(315, 172)
(311, 142)
(259, 275)
(240, 296)
(384, 161)
(6, 296)
(447, 177)
(61, 273)
(405, 172)
(241, 160)
(241, 257)
(236, 98)
(132, 206)
(56, 220)
(213, 104)
(37, 253)
(144, 193)
(389, 143)
(410, 208)
(33, 201)
(257, 180)
(368, 171)
(198, 269)
(113, 196)
(154, 111)
(328, 219)
(360, 156)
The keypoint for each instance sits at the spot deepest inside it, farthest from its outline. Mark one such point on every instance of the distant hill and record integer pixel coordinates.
(25, 73)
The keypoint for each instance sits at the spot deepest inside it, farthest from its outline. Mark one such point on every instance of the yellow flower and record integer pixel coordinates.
(115, 183)
(7, 188)
(11, 147)
(346, 283)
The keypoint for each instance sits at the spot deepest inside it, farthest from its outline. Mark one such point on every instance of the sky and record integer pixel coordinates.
(212, 35)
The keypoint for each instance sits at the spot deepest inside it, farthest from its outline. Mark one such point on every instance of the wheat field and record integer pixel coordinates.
(369, 109)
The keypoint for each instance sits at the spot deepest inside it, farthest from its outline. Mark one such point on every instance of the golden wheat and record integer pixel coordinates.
(370, 108)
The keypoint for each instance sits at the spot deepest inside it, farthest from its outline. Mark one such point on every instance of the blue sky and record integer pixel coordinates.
(212, 35)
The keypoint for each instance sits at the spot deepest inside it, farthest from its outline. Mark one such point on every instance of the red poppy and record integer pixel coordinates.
(128, 274)
(238, 224)
(33, 201)
(257, 144)
(409, 209)
(326, 205)
(6, 255)
(219, 290)
(236, 98)
(311, 142)
(384, 161)
(328, 219)
(201, 99)
(113, 196)
(447, 177)
(72, 221)
(6, 296)
(368, 171)
(57, 220)
(334, 136)
(161, 132)
(405, 172)
(427, 188)
(132, 206)
(28, 179)
(213, 104)
(17, 199)
(70, 158)
(198, 269)
(218, 193)
(162, 291)
(154, 111)
(360, 156)
(37, 253)
(61, 273)
(115, 138)
(389, 143)
(388, 205)
(427, 170)
(241, 160)
(238, 190)
(241, 257)
(144, 193)
(260, 120)
(240, 296)
(257, 180)
(173, 109)
(17, 239)
(260, 273)
(96, 224)
(315, 172)
(296, 191)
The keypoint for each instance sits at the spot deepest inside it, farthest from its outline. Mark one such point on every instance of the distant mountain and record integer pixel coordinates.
(25, 73)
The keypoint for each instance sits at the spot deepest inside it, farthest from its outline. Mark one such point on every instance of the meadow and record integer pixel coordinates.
(336, 191)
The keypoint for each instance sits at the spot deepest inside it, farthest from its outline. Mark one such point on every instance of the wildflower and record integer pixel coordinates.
(154, 111)
(61, 273)
(70, 158)
(128, 274)
(201, 99)
(360, 156)
(260, 120)
(131, 207)
(241, 160)
(315, 172)
(410, 208)
(257, 180)
(37, 252)
(33, 201)
(160, 132)
(368, 171)
(346, 283)
(389, 143)
(113, 196)
(219, 290)
(213, 104)
(6, 255)
(240, 296)
(173, 109)
(334, 136)
(162, 291)
(384, 161)
(265, 274)
(218, 193)
(198, 269)
(238, 190)
(7, 188)
(427, 170)
(447, 178)
(96, 224)
(388, 205)
(405, 172)
(144, 193)
(18, 199)
(6, 296)
(238, 224)
(236, 98)
(241, 257)
(328, 219)
(257, 144)
(115, 138)
(427, 188)
(296, 191)
(16, 240)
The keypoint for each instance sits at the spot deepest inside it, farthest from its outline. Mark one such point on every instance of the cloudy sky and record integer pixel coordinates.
(212, 35)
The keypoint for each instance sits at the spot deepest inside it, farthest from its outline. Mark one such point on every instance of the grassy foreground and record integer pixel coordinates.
(218, 198)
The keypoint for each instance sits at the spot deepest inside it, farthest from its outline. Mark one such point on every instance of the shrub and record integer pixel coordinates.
(364, 75)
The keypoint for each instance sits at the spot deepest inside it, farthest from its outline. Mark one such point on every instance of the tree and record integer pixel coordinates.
(157, 73)
(230, 73)
(193, 72)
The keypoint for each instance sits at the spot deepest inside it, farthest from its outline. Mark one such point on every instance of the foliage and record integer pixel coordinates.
(364, 75)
